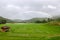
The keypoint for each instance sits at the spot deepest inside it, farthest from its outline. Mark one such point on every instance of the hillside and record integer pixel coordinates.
(8, 20)
(31, 20)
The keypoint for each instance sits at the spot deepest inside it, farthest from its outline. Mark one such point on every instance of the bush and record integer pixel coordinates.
(55, 23)
(37, 21)
(2, 21)
(44, 21)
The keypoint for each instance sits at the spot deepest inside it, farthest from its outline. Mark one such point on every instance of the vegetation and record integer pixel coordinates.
(31, 31)
(5, 20)
(36, 20)
(33, 20)
(47, 29)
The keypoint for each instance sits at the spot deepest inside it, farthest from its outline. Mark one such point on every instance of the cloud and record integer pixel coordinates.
(11, 7)
(32, 14)
(25, 9)
(37, 14)
(51, 7)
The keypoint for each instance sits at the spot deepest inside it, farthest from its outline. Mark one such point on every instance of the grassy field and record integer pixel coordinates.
(31, 31)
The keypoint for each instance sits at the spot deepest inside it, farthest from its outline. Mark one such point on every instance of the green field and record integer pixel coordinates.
(31, 31)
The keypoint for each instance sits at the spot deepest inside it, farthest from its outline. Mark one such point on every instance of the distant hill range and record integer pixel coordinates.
(23, 21)
(30, 20)
(17, 20)
(8, 20)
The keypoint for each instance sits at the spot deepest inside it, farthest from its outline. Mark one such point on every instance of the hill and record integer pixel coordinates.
(8, 20)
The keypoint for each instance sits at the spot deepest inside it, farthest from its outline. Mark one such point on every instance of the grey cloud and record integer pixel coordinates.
(18, 8)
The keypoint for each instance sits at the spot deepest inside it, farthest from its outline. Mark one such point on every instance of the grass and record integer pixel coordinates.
(31, 31)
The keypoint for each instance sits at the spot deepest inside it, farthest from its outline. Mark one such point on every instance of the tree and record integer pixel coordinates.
(2, 21)
(38, 21)
(44, 21)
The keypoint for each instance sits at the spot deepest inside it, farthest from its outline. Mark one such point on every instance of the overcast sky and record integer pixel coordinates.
(26, 9)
